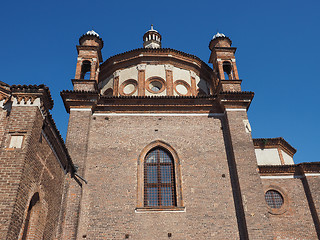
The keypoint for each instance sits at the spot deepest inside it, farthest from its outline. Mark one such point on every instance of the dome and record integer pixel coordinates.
(91, 38)
(219, 40)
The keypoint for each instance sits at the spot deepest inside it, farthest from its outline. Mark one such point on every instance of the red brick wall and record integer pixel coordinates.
(110, 198)
(77, 146)
(296, 221)
(23, 174)
(254, 223)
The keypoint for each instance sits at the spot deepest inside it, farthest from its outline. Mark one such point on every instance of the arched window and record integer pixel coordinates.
(27, 226)
(227, 68)
(85, 70)
(159, 179)
(35, 220)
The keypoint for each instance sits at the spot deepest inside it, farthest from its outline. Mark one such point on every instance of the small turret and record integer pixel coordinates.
(152, 39)
(89, 59)
(224, 62)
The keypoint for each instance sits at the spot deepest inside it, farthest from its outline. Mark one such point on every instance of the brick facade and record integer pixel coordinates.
(199, 120)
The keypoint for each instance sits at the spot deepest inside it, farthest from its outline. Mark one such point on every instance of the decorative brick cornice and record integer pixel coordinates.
(88, 36)
(98, 103)
(296, 169)
(79, 99)
(5, 93)
(235, 99)
(31, 93)
(274, 142)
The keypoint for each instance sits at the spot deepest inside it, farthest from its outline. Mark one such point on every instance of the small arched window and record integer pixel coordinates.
(159, 179)
(227, 69)
(85, 70)
(30, 214)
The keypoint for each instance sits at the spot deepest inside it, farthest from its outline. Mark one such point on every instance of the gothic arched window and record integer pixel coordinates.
(159, 179)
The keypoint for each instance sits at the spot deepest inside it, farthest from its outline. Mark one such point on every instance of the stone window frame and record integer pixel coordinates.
(126, 83)
(285, 205)
(178, 183)
(16, 134)
(185, 84)
(155, 79)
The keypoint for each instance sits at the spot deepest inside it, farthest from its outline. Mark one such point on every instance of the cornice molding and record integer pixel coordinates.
(301, 169)
(274, 142)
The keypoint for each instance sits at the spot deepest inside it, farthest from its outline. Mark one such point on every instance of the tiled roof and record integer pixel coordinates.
(155, 50)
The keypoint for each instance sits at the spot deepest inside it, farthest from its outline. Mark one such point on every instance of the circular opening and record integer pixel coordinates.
(182, 89)
(274, 199)
(155, 86)
(129, 89)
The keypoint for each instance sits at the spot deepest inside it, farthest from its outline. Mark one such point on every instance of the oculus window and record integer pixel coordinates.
(274, 199)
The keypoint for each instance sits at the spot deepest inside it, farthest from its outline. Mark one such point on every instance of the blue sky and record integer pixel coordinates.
(277, 56)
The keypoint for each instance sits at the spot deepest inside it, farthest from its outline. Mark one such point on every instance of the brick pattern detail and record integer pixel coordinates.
(77, 145)
(247, 184)
(110, 198)
(33, 168)
(296, 218)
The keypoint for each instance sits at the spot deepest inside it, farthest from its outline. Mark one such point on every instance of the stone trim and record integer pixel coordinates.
(155, 79)
(140, 177)
(124, 84)
(278, 143)
(184, 83)
(284, 207)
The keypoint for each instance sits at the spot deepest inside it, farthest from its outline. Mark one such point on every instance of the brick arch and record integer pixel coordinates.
(140, 175)
(35, 216)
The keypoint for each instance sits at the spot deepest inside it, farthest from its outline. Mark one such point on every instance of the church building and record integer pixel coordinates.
(158, 146)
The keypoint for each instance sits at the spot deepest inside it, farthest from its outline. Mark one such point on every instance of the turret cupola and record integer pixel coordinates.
(152, 39)
(91, 38)
(88, 61)
(224, 62)
(220, 40)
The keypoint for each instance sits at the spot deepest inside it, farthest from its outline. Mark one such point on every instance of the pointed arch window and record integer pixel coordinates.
(159, 181)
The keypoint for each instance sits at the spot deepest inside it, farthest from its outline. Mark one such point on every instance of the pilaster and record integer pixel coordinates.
(247, 186)
(76, 142)
(141, 79)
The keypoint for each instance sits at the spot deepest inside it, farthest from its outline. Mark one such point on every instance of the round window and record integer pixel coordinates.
(274, 199)
(129, 89)
(155, 86)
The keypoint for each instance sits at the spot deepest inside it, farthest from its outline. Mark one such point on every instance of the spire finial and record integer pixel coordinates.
(151, 26)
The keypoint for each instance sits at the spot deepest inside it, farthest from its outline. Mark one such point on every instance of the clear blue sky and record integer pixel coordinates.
(278, 51)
